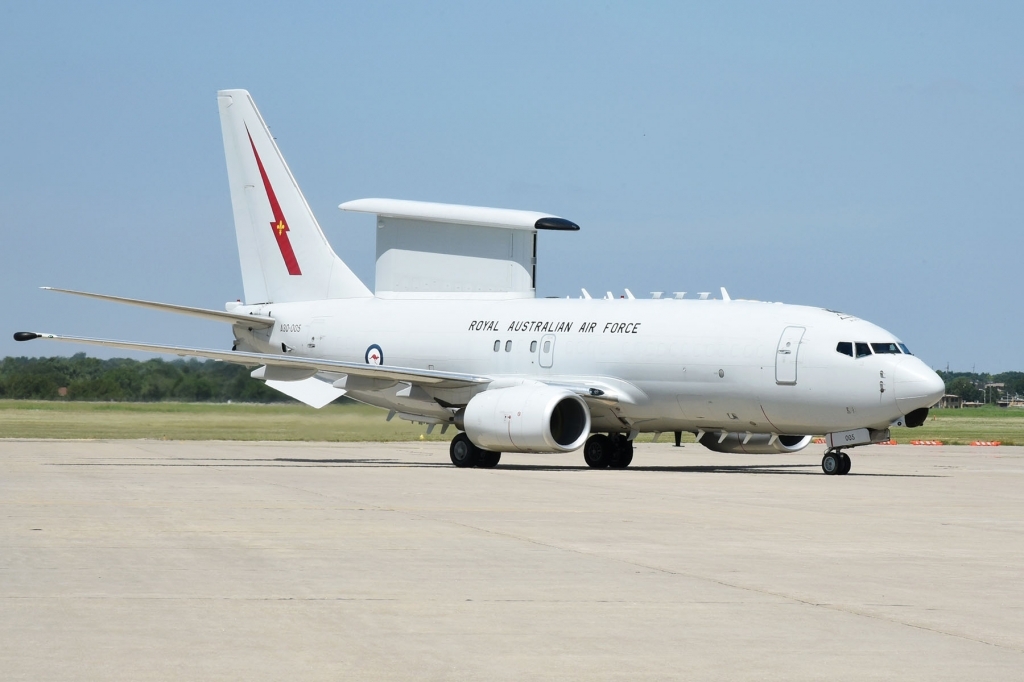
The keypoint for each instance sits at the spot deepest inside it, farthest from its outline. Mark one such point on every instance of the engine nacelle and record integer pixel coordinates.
(757, 445)
(531, 418)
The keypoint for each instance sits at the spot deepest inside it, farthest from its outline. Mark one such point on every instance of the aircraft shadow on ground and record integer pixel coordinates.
(777, 469)
(771, 469)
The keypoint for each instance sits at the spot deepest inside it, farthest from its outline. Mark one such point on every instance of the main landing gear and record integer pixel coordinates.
(836, 463)
(464, 454)
(608, 452)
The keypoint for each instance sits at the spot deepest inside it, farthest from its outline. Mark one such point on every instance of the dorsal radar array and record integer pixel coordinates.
(431, 250)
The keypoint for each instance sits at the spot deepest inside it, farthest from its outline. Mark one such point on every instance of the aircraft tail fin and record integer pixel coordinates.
(284, 253)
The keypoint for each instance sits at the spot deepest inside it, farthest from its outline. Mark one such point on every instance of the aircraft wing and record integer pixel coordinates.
(409, 374)
(254, 321)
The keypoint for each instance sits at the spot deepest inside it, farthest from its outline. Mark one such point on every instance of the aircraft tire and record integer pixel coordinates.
(488, 459)
(463, 453)
(831, 463)
(623, 453)
(844, 464)
(621, 460)
(598, 451)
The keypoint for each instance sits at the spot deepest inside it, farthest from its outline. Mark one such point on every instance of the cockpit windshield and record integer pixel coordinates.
(859, 349)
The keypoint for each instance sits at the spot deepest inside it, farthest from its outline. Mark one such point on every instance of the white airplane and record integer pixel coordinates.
(453, 335)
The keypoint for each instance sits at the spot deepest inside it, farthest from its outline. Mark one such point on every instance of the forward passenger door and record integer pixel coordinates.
(786, 355)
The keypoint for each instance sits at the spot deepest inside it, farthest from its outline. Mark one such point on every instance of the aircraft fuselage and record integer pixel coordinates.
(675, 364)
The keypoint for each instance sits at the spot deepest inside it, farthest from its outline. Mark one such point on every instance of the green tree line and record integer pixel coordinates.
(124, 380)
(971, 386)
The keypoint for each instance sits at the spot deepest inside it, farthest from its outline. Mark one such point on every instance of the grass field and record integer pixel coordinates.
(204, 421)
(353, 422)
(961, 427)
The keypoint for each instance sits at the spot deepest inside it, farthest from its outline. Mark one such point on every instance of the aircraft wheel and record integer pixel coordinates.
(598, 451)
(623, 453)
(831, 463)
(464, 454)
(844, 464)
(488, 459)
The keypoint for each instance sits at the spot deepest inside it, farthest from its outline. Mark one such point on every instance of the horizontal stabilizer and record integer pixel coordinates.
(254, 321)
(409, 374)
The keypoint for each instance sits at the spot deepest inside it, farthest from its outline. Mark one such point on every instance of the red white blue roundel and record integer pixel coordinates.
(374, 355)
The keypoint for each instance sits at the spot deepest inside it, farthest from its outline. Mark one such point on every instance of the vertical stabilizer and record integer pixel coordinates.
(284, 253)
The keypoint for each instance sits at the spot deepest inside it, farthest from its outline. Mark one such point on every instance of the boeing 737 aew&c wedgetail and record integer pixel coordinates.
(453, 335)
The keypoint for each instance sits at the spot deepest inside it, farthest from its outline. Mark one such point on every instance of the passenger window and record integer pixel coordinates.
(533, 346)
(547, 346)
(845, 347)
(497, 346)
(904, 348)
(508, 346)
(883, 348)
(863, 350)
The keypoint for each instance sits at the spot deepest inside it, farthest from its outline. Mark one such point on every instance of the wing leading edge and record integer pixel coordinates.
(406, 374)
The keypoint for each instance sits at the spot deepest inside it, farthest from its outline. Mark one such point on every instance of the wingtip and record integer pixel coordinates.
(26, 336)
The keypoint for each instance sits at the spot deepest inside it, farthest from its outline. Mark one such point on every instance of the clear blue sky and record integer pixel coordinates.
(867, 157)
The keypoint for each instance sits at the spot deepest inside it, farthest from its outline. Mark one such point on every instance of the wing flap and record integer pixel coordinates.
(310, 391)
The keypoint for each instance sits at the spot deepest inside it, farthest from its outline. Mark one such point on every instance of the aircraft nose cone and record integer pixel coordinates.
(916, 386)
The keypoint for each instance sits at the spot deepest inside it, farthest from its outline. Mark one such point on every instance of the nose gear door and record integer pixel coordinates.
(786, 355)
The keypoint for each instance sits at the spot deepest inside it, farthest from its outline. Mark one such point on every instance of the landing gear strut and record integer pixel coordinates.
(836, 463)
(608, 452)
(464, 454)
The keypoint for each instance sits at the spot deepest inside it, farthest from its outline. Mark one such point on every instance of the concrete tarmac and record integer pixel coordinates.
(148, 560)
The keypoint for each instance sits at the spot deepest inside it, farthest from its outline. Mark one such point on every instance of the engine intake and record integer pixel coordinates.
(757, 445)
(532, 418)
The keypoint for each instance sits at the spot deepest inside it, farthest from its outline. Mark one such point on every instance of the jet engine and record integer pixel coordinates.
(529, 418)
(757, 445)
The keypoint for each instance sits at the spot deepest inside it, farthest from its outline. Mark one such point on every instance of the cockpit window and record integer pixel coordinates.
(904, 348)
(863, 350)
(886, 348)
(845, 347)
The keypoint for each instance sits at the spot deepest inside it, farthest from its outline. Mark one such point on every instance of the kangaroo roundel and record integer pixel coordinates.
(374, 355)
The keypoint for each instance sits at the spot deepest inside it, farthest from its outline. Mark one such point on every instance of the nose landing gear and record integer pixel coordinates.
(836, 463)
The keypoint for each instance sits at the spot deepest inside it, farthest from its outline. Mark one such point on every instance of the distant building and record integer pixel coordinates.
(951, 401)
